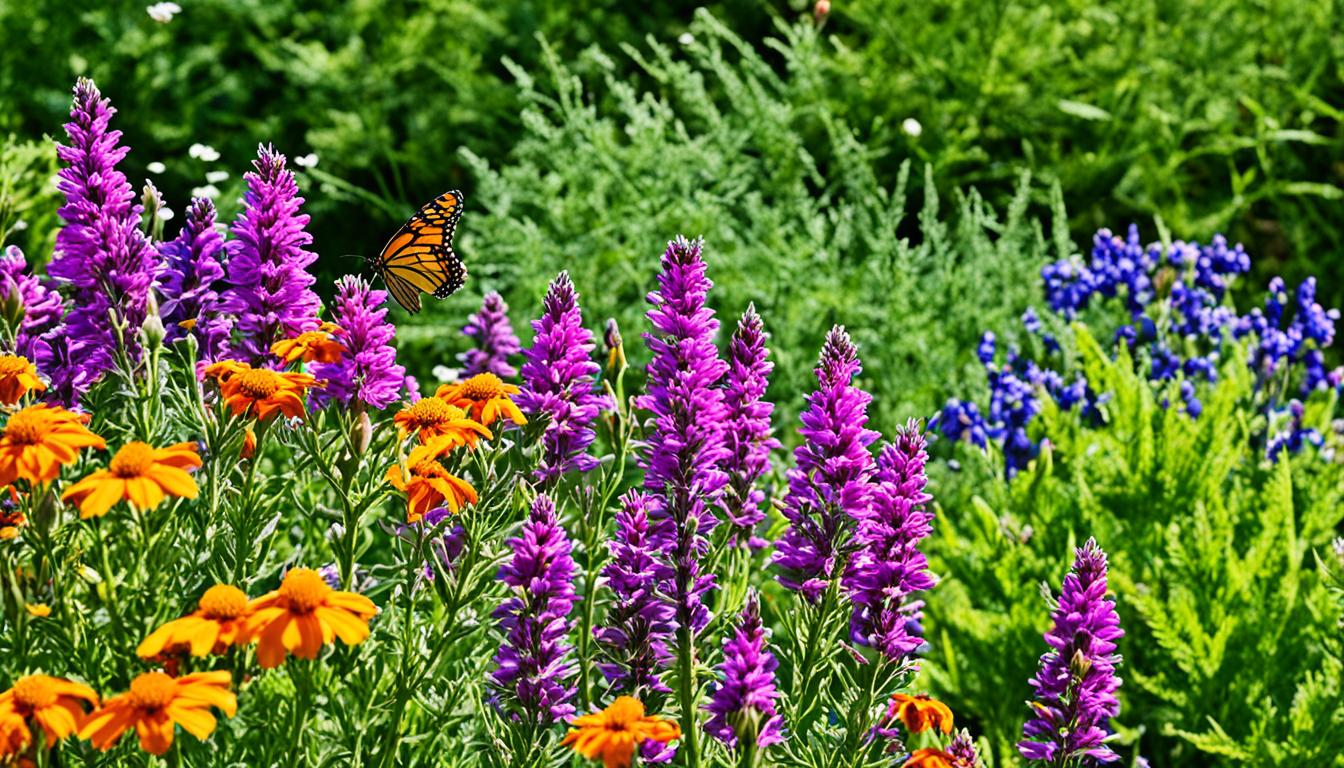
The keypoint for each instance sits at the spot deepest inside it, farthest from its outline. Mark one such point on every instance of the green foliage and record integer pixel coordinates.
(604, 174)
(1212, 115)
(1227, 618)
(28, 196)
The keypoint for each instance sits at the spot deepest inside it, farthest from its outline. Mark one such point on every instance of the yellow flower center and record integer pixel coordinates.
(27, 427)
(35, 692)
(305, 590)
(433, 410)
(223, 602)
(13, 365)
(259, 383)
(482, 386)
(133, 460)
(152, 691)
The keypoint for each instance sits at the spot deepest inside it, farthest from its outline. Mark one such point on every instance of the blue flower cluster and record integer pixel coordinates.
(1178, 317)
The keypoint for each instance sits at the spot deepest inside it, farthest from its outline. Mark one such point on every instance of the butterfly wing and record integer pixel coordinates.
(420, 258)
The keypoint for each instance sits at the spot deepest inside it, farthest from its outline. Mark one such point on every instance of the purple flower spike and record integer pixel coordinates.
(748, 436)
(534, 673)
(1076, 683)
(100, 252)
(187, 282)
(828, 488)
(560, 383)
(270, 289)
(635, 636)
(888, 567)
(686, 444)
(495, 341)
(367, 371)
(743, 704)
(41, 307)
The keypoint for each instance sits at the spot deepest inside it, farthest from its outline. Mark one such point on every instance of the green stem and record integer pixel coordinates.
(686, 689)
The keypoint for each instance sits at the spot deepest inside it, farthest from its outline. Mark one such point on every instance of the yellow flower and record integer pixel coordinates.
(217, 623)
(39, 439)
(54, 704)
(140, 474)
(154, 703)
(260, 392)
(431, 417)
(313, 346)
(38, 610)
(612, 734)
(428, 484)
(18, 377)
(11, 520)
(485, 396)
(303, 615)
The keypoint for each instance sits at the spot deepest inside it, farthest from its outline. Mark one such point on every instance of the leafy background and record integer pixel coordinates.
(584, 137)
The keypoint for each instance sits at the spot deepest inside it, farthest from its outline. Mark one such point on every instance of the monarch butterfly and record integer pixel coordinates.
(420, 258)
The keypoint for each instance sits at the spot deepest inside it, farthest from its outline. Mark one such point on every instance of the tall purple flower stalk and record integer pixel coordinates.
(635, 636)
(743, 703)
(36, 309)
(100, 252)
(686, 445)
(1076, 682)
(495, 341)
(829, 485)
(270, 290)
(748, 435)
(534, 669)
(560, 383)
(367, 371)
(888, 567)
(187, 282)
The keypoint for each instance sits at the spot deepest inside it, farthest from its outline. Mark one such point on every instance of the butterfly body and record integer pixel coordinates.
(419, 258)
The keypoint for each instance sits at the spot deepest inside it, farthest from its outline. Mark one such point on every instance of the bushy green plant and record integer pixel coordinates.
(718, 146)
(28, 197)
(1228, 621)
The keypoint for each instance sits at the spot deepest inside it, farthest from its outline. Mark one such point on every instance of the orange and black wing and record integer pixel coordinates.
(420, 258)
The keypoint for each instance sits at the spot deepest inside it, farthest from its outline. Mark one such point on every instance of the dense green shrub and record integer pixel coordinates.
(1231, 650)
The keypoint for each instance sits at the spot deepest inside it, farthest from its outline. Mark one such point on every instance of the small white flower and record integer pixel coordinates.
(20, 225)
(203, 152)
(215, 177)
(686, 38)
(209, 190)
(156, 167)
(163, 12)
(307, 161)
(165, 214)
(911, 127)
(444, 373)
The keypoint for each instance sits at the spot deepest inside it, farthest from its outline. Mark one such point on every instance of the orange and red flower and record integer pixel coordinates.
(261, 392)
(303, 615)
(54, 704)
(138, 473)
(217, 623)
(157, 702)
(318, 346)
(432, 417)
(920, 713)
(18, 377)
(428, 484)
(612, 734)
(930, 757)
(486, 397)
(39, 439)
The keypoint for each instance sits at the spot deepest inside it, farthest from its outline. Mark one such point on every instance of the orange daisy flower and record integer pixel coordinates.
(303, 615)
(216, 624)
(155, 703)
(18, 377)
(54, 704)
(930, 758)
(138, 473)
(260, 392)
(920, 713)
(38, 439)
(485, 396)
(432, 417)
(318, 346)
(428, 484)
(612, 734)
(249, 448)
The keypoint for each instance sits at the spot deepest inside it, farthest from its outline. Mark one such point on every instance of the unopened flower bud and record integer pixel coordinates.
(361, 434)
(821, 10)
